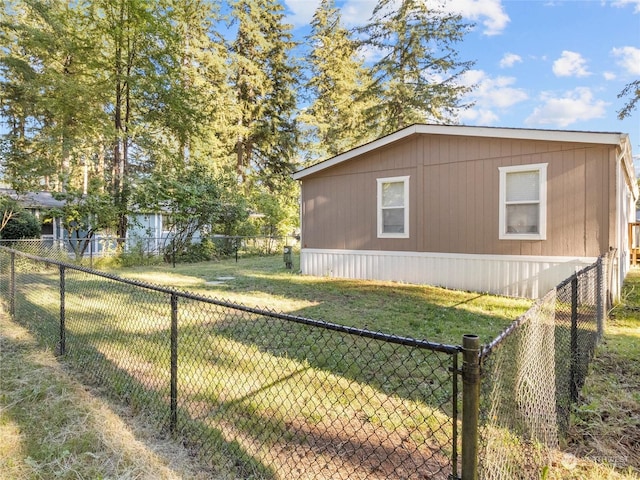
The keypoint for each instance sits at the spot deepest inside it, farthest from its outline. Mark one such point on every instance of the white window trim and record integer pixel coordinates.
(542, 234)
(380, 182)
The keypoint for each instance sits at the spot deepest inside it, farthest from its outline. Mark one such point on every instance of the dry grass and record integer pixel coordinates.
(51, 427)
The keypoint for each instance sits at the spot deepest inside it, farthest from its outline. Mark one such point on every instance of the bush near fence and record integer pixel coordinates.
(268, 395)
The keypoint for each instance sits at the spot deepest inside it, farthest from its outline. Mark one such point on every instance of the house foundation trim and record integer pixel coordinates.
(513, 275)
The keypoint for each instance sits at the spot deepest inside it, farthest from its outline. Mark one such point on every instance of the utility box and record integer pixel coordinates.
(288, 256)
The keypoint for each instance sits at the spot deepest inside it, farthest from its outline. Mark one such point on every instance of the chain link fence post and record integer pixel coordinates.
(600, 297)
(12, 285)
(173, 421)
(455, 371)
(63, 331)
(573, 386)
(470, 405)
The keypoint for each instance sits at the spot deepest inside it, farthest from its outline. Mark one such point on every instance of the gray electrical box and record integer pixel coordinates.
(288, 257)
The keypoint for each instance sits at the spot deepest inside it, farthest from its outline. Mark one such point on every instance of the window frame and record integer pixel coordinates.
(541, 168)
(380, 228)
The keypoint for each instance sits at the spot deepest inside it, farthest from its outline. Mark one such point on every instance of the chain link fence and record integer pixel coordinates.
(263, 395)
(532, 375)
(88, 250)
(255, 393)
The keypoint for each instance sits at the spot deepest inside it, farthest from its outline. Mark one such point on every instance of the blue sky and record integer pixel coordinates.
(539, 64)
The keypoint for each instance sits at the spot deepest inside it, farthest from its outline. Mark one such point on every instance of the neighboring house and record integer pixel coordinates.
(499, 210)
(39, 203)
(153, 229)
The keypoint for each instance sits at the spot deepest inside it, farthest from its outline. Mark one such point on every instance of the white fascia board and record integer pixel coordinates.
(602, 138)
(367, 147)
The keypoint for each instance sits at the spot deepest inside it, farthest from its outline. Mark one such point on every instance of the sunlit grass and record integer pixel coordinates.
(259, 387)
(417, 311)
(254, 380)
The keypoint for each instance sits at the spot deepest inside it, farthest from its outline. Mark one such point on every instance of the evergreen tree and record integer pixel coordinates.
(416, 75)
(338, 87)
(205, 76)
(264, 79)
(632, 91)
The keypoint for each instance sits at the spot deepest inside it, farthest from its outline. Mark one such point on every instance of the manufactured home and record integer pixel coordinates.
(499, 210)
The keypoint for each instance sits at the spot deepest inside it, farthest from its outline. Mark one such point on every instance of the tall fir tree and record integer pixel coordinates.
(416, 76)
(264, 78)
(204, 79)
(339, 84)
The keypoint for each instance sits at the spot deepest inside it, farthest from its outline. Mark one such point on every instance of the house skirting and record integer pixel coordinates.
(512, 275)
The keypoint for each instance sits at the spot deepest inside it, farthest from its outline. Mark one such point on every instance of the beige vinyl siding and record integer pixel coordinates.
(454, 187)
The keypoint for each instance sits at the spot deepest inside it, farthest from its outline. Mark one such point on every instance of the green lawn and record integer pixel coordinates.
(247, 381)
(421, 312)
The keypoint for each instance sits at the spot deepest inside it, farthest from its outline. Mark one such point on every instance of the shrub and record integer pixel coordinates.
(22, 225)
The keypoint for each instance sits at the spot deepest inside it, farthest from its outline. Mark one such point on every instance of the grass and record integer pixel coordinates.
(52, 427)
(604, 439)
(422, 312)
(266, 401)
(247, 382)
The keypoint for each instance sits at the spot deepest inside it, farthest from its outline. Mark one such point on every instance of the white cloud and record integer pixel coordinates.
(624, 3)
(574, 106)
(570, 64)
(491, 96)
(609, 76)
(490, 12)
(357, 12)
(509, 60)
(478, 116)
(301, 11)
(628, 58)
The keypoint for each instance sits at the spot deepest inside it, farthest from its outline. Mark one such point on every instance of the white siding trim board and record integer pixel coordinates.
(511, 275)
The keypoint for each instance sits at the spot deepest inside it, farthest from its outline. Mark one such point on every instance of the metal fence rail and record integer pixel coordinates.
(260, 394)
(256, 393)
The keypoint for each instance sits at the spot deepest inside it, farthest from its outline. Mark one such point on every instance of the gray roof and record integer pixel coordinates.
(42, 200)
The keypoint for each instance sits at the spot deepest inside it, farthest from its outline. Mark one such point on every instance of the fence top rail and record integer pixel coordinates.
(138, 237)
(400, 340)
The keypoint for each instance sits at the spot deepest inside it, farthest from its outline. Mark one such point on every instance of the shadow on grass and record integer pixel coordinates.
(258, 416)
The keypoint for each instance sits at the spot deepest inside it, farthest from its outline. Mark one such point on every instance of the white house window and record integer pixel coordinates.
(393, 207)
(523, 202)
